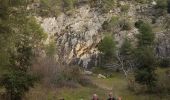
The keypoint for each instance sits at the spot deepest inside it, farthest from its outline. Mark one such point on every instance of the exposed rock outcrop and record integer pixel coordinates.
(78, 34)
(163, 45)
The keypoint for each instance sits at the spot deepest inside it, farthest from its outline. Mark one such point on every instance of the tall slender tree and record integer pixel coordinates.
(145, 57)
(20, 35)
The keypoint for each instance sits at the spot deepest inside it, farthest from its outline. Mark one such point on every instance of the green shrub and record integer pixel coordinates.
(139, 23)
(111, 25)
(51, 49)
(161, 7)
(163, 86)
(17, 83)
(146, 38)
(105, 25)
(162, 4)
(114, 20)
(108, 5)
(145, 72)
(107, 47)
(168, 6)
(22, 36)
(55, 7)
(125, 25)
(125, 8)
(145, 58)
(49, 7)
(165, 62)
(105, 5)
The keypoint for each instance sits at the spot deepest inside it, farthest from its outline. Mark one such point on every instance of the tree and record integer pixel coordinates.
(146, 36)
(20, 36)
(125, 57)
(145, 57)
(162, 4)
(168, 6)
(162, 7)
(17, 83)
(51, 49)
(107, 47)
(145, 73)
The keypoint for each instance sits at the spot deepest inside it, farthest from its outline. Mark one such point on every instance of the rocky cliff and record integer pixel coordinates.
(78, 34)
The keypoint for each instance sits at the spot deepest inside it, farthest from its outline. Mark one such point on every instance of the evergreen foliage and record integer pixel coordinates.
(145, 57)
(162, 4)
(126, 49)
(20, 35)
(17, 83)
(107, 47)
(146, 36)
(168, 6)
(162, 7)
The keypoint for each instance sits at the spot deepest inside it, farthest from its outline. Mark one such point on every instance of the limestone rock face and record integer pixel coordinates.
(76, 35)
(163, 44)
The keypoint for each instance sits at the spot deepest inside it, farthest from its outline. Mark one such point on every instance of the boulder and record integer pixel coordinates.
(88, 72)
(101, 76)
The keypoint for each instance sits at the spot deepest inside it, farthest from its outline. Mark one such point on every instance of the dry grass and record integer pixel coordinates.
(117, 84)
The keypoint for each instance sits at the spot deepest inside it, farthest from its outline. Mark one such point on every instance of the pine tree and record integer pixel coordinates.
(107, 47)
(145, 57)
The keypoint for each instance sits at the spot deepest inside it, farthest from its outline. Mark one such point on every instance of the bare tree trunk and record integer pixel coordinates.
(126, 71)
(122, 66)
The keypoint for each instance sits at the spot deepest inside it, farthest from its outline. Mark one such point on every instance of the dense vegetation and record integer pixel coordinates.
(145, 73)
(22, 47)
(20, 36)
(107, 47)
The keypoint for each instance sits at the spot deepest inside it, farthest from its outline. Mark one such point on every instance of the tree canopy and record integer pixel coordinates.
(20, 35)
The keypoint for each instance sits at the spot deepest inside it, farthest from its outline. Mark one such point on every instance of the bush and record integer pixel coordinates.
(162, 4)
(146, 36)
(111, 25)
(139, 23)
(162, 7)
(51, 49)
(169, 6)
(70, 76)
(105, 25)
(17, 83)
(163, 82)
(107, 47)
(125, 8)
(108, 5)
(165, 62)
(49, 8)
(55, 7)
(125, 25)
(105, 5)
(145, 58)
(53, 73)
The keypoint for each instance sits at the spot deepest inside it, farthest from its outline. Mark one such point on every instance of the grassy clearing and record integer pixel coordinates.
(117, 84)
(85, 93)
(119, 88)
